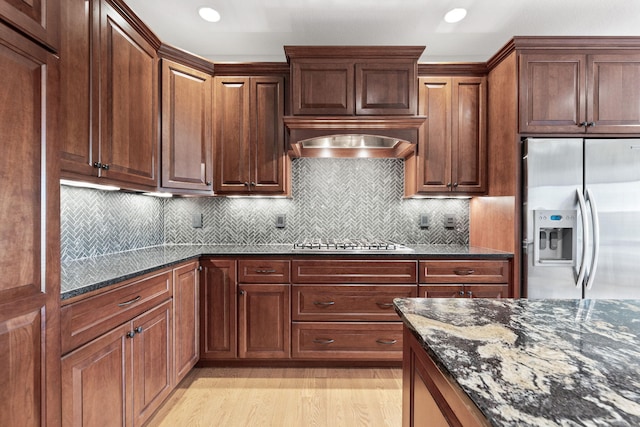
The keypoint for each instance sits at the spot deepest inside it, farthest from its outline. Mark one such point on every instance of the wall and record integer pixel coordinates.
(331, 198)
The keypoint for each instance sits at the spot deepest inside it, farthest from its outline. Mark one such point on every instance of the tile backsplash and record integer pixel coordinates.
(331, 198)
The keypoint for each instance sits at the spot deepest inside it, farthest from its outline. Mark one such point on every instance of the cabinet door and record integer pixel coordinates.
(267, 135)
(386, 88)
(434, 146)
(552, 93)
(186, 320)
(78, 108)
(319, 88)
(614, 90)
(264, 317)
(441, 291)
(29, 234)
(218, 308)
(152, 350)
(96, 381)
(129, 105)
(37, 18)
(187, 143)
(232, 134)
(468, 134)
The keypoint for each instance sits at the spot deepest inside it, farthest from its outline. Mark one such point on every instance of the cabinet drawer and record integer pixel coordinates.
(337, 340)
(353, 271)
(93, 316)
(263, 271)
(464, 271)
(348, 302)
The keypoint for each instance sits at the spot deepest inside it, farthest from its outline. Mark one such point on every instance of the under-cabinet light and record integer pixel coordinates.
(83, 184)
(157, 194)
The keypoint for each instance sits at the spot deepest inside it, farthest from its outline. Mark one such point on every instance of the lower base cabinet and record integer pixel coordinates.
(121, 377)
(428, 396)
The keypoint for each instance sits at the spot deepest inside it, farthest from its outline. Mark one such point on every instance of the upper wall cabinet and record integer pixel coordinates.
(249, 135)
(451, 156)
(580, 92)
(109, 101)
(348, 80)
(187, 141)
(38, 19)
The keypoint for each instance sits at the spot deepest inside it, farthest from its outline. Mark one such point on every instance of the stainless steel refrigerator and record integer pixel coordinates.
(581, 218)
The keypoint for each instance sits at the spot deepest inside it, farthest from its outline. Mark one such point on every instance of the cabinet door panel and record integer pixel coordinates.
(552, 94)
(37, 18)
(186, 128)
(468, 135)
(29, 234)
(386, 89)
(186, 320)
(264, 321)
(441, 291)
(96, 380)
(232, 134)
(614, 89)
(434, 149)
(129, 96)
(267, 134)
(152, 356)
(79, 130)
(218, 297)
(322, 88)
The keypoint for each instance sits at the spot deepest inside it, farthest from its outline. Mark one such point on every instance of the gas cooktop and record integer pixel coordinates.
(349, 245)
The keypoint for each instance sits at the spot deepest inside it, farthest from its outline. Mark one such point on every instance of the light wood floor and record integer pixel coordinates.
(291, 397)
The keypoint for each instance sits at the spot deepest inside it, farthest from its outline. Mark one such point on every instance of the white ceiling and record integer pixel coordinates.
(256, 30)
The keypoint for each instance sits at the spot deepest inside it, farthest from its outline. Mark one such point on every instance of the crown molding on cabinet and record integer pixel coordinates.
(135, 22)
(186, 58)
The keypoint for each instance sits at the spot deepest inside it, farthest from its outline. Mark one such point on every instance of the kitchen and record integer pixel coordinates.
(120, 225)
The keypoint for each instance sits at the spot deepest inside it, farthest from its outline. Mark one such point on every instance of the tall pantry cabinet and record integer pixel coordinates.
(29, 225)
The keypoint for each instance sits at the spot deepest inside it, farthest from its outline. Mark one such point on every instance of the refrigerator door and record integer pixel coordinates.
(612, 182)
(553, 177)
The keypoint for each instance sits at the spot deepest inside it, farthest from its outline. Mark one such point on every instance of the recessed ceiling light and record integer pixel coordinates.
(455, 15)
(209, 14)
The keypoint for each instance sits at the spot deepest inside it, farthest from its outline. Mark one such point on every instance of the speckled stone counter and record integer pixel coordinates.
(85, 275)
(536, 362)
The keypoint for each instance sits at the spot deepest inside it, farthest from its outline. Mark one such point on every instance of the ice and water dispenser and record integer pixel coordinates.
(555, 234)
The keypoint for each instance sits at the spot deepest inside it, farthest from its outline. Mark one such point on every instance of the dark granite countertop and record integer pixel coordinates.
(536, 362)
(85, 275)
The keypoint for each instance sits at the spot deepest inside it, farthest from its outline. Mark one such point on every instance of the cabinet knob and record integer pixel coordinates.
(242, 292)
(461, 293)
(246, 184)
(208, 183)
(470, 294)
(591, 124)
(199, 268)
(138, 330)
(105, 167)
(455, 184)
(253, 184)
(582, 124)
(97, 165)
(131, 334)
(448, 184)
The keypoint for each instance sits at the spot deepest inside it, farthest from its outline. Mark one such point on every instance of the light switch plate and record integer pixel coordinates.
(424, 221)
(281, 220)
(196, 220)
(449, 221)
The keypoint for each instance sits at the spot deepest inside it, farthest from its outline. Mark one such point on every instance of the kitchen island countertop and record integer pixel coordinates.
(85, 275)
(536, 362)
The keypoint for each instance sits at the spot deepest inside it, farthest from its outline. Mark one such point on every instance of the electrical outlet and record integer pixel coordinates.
(281, 220)
(196, 220)
(424, 221)
(449, 221)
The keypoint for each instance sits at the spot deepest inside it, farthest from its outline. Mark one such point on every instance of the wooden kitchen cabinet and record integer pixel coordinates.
(578, 92)
(122, 376)
(348, 80)
(29, 231)
(37, 19)
(465, 279)
(264, 321)
(218, 309)
(249, 136)
(109, 101)
(451, 155)
(186, 320)
(187, 138)
(429, 398)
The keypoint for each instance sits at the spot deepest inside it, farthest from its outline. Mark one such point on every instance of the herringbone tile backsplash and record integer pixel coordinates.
(332, 198)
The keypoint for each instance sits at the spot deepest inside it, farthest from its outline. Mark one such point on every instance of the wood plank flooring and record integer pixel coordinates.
(291, 397)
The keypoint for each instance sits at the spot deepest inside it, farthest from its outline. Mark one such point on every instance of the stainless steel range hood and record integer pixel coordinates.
(353, 136)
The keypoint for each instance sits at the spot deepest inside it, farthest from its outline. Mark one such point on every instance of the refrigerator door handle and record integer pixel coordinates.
(582, 204)
(596, 239)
